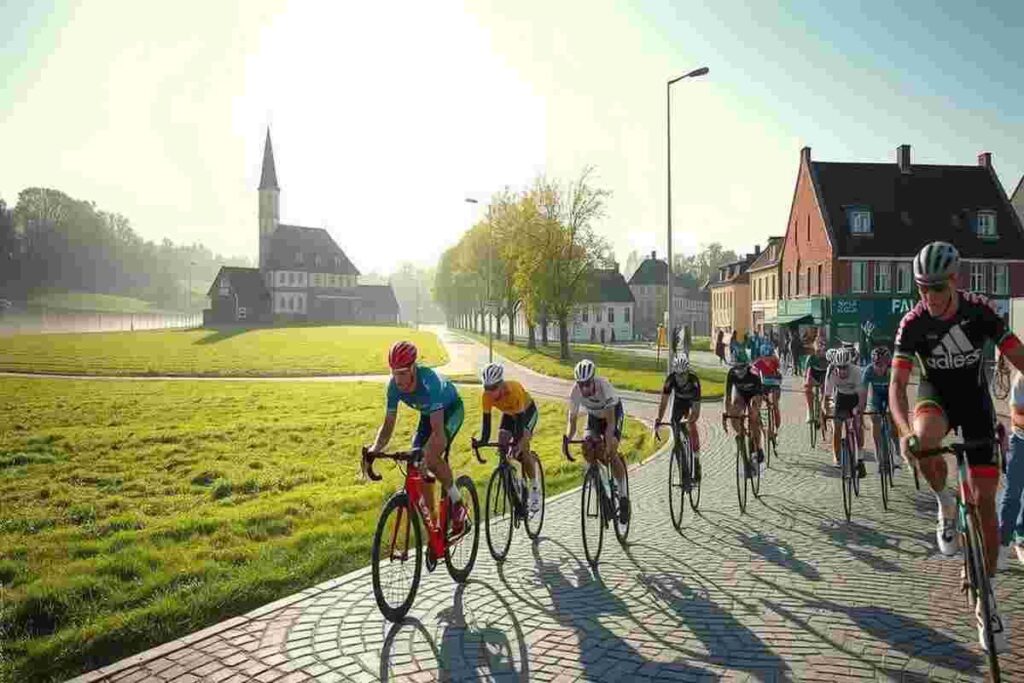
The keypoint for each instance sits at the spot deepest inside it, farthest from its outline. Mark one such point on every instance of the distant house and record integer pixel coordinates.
(377, 304)
(649, 285)
(604, 315)
(238, 295)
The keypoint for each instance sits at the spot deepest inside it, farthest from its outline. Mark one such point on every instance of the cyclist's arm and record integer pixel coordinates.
(573, 413)
(695, 406)
(608, 414)
(485, 428)
(666, 389)
(385, 431)
(1013, 351)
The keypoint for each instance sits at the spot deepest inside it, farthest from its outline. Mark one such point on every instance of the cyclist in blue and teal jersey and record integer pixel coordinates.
(876, 384)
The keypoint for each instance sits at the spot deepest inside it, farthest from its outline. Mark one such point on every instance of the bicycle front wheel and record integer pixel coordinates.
(460, 553)
(691, 459)
(741, 474)
(885, 471)
(499, 514)
(676, 488)
(981, 586)
(755, 470)
(396, 558)
(845, 461)
(592, 516)
(622, 528)
(535, 520)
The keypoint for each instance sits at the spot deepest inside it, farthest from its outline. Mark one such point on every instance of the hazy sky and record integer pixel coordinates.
(385, 116)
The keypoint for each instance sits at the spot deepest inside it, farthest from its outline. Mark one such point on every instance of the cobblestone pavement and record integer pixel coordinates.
(787, 591)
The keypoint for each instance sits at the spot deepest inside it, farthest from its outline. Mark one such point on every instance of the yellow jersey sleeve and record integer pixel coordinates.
(486, 403)
(515, 400)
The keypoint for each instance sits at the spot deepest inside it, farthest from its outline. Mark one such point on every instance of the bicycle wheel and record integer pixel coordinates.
(592, 516)
(846, 482)
(981, 586)
(755, 469)
(535, 520)
(856, 473)
(694, 494)
(741, 474)
(499, 513)
(622, 529)
(813, 424)
(767, 418)
(396, 558)
(676, 490)
(460, 554)
(884, 471)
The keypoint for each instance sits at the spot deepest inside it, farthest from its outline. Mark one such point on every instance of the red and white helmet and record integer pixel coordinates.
(401, 355)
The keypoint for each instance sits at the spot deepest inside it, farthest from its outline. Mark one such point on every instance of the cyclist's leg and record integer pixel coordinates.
(591, 438)
(526, 422)
(837, 425)
(691, 419)
(931, 424)
(612, 448)
(754, 420)
(776, 396)
(435, 453)
(739, 407)
(419, 440)
(506, 431)
(809, 392)
(876, 432)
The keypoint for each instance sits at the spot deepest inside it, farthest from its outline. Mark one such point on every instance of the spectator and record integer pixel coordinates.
(1011, 497)
(720, 346)
(795, 348)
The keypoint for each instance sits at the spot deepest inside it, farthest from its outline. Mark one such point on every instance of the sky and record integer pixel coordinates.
(386, 116)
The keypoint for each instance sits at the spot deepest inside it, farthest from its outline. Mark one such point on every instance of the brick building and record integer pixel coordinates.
(854, 229)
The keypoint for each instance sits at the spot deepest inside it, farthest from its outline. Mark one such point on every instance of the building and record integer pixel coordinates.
(305, 275)
(1017, 199)
(605, 315)
(764, 286)
(854, 229)
(690, 305)
(730, 296)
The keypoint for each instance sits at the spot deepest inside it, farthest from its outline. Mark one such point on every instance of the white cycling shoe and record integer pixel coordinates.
(947, 536)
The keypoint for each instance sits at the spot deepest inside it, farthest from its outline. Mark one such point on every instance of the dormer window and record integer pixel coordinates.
(986, 225)
(225, 286)
(316, 260)
(860, 221)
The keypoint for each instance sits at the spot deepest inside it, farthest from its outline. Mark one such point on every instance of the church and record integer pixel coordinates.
(303, 275)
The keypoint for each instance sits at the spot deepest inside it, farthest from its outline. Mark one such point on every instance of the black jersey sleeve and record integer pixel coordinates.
(992, 324)
(908, 337)
(696, 386)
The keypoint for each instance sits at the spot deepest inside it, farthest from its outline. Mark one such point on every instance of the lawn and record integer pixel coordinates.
(90, 301)
(138, 512)
(279, 351)
(623, 369)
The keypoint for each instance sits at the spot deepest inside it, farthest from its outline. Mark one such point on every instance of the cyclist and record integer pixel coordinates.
(441, 413)
(743, 390)
(684, 386)
(518, 420)
(769, 370)
(815, 366)
(946, 331)
(844, 390)
(876, 386)
(604, 416)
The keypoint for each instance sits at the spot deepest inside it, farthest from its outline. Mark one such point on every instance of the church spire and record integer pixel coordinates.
(268, 179)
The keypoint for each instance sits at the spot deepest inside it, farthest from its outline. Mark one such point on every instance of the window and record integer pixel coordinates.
(282, 304)
(860, 277)
(597, 313)
(280, 278)
(808, 280)
(808, 234)
(773, 287)
(986, 224)
(241, 312)
(883, 277)
(625, 314)
(291, 302)
(298, 258)
(903, 277)
(291, 278)
(1000, 278)
(611, 314)
(860, 222)
(225, 288)
(820, 290)
(586, 314)
(337, 262)
(977, 277)
(316, 260)
(789, 284)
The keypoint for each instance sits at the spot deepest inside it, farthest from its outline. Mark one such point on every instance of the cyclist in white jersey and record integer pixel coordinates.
(844, 389)
(604, 416)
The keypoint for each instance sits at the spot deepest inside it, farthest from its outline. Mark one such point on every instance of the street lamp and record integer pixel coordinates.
(670, 332)
(490, 271)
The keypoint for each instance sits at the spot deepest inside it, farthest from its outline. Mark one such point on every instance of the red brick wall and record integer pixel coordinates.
(799, 249)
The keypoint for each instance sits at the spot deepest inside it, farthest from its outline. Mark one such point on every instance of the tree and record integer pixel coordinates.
(702, 265)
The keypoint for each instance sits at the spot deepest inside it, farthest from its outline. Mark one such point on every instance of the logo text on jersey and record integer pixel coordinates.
(954, 351)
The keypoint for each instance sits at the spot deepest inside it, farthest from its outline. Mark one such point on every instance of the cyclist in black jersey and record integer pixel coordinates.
(683, 385)
(743, 390)
(946, 332)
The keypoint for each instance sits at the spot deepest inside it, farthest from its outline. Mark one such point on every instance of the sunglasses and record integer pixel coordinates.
(491, 387)
(585, 385)
(941, 287)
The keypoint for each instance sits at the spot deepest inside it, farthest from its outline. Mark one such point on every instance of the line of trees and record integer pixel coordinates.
(533, 251)
(52, 241)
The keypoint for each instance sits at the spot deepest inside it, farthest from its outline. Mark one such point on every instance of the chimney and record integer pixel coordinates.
(757, 250)
(654, 255)
(903, 158)
(985, 160)
(805, 155)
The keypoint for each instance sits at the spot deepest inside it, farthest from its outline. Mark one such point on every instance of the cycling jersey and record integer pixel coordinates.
(432, 392)
(683, 388)
(601, 399)
(747, 386)
(837, 382)
(514, 399)
(877, 385)
(769, 370)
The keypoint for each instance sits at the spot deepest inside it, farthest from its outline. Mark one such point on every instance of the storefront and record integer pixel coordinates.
(805, 317)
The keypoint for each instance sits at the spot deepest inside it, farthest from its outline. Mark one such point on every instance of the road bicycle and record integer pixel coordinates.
(887, 450)
(600, 504)
(850, 480)
(398, 547)
(999, 374)
(748, 472)
(507, 503)
(770, 438)
(816, 424)
(683, 476)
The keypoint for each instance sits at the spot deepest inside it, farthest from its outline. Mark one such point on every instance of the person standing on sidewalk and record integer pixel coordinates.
(720, 346)
(1011, 498)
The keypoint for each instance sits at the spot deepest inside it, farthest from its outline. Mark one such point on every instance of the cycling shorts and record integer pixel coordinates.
(453, 416)
(598, 425)
(680, 409)
(517, 423)
(744, 397)
(971, 411)
(815, 376)
(844, 405)
(878, 399)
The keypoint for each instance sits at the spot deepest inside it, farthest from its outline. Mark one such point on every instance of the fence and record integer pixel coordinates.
(48, 321)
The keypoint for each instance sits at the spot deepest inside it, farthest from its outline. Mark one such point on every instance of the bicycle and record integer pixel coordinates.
(409, 506)
(770, 428)
(816, 423)
(999, 372)
(850, 481)
(598, 503)
(748, 473)
(975, 576)
(506, 501)
(887, 448)
(682, 467)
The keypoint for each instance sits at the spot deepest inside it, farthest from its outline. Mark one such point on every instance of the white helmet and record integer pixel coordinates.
(680, 363)
(492, 374)
(935, 263)
(585, 370)
(842, 357)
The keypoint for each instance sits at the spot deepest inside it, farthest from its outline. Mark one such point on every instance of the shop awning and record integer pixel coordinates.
(788, 319)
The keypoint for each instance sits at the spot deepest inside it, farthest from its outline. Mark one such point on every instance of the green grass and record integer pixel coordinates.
(138, 512)
(280, 351)
(90, 301)
(623, 369)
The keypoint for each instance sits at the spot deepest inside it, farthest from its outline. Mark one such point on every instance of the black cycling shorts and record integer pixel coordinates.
(680, 409)
(597, 425)
(971, 411)
(844, 405)
(520, 422)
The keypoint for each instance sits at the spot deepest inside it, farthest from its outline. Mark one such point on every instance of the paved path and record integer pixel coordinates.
(785, 592)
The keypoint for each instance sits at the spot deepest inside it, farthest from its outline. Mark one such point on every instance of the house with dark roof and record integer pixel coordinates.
(764, 286)
(730, 296)
(649, 285)
(1017, 199)
(605, 313)
(854, 229)
(238, 295)
(305, 274)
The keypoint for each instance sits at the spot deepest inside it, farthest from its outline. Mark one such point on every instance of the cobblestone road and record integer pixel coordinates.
(787, 591)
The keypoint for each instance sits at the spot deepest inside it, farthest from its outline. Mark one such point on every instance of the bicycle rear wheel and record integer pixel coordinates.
(460, 553)
(691, 459)
(499, 513)
(741, 474)
(676, 490)
(981, 586)
(396, 558)
(535, 520)
(846, 482)
(592, 516)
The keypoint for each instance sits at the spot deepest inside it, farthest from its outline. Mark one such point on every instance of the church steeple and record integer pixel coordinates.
(269, 201)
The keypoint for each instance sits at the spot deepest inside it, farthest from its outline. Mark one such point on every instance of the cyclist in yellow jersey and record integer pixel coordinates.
(518, 419)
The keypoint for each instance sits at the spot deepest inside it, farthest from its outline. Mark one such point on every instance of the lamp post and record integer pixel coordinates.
(670, 334)
(490, 272)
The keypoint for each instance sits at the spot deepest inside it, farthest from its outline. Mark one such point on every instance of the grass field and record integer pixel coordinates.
(281, 351)
(623, 369)
(137, 512)
(90, 301)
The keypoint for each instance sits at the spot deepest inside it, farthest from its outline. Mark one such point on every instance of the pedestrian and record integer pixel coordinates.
(1011, 499)
(686, 340)
(794, 350)
(720, 346)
